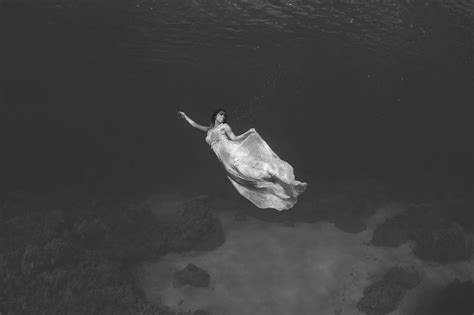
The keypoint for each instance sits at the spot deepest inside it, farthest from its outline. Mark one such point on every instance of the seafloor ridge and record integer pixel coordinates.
(112, 256)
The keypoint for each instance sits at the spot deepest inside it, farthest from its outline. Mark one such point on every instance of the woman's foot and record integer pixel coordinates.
(300, 187)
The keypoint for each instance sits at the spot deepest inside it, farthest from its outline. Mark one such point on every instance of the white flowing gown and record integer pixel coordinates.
(255, 170)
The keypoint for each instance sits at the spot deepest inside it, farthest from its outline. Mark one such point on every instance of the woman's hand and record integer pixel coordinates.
(183, 115)
(191, 122)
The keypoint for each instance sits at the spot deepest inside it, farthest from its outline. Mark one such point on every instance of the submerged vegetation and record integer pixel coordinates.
(58, 261)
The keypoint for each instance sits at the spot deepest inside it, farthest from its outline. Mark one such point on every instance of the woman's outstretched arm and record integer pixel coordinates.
(193, 123)
(241, 137)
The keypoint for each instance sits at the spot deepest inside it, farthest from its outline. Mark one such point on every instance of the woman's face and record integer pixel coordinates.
(220, 117)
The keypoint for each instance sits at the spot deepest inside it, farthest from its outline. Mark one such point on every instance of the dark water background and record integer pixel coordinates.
(340, 89)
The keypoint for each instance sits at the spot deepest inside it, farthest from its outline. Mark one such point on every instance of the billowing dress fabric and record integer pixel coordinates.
(255, 170)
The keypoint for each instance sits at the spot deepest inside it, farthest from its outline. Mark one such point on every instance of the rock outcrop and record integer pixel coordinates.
(383, 296)
(194, 226)
(191, 275)
(37, 258)
(436, 236)
(78, 260)
(443, 244)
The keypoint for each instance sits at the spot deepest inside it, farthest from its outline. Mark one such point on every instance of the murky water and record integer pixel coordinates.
(356, 95)
(331, 85)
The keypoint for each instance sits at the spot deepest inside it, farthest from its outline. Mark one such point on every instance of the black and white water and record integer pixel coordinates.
(358, 91)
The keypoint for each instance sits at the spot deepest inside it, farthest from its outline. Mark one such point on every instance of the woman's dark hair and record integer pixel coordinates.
(214, 115)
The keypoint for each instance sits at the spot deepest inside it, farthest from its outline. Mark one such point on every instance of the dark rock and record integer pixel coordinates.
(435, 236)
(191, 275)
(214, 237)
(37, 258)
(43, 272)
(3, 267)
(91, 233)
(380, 299)
(405, 279)
(403, 227)
(95, 285)
(52, 225)
(33, 260)
(392, 233)
(36, 227)
(2, 214)
(383, 296)
(443, 244)
(11, 261)
(189, 225)
(200, 312)
(18, 232)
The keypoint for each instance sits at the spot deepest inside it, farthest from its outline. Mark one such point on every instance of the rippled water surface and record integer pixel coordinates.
(388, 28)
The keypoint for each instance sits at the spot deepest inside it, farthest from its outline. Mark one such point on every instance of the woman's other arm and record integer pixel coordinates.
(193, 123)
(241, 137)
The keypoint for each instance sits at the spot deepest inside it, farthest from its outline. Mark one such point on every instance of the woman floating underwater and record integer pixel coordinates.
(252, 167)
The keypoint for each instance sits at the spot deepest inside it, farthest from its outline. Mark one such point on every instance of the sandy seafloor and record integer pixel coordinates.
(298, 268)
